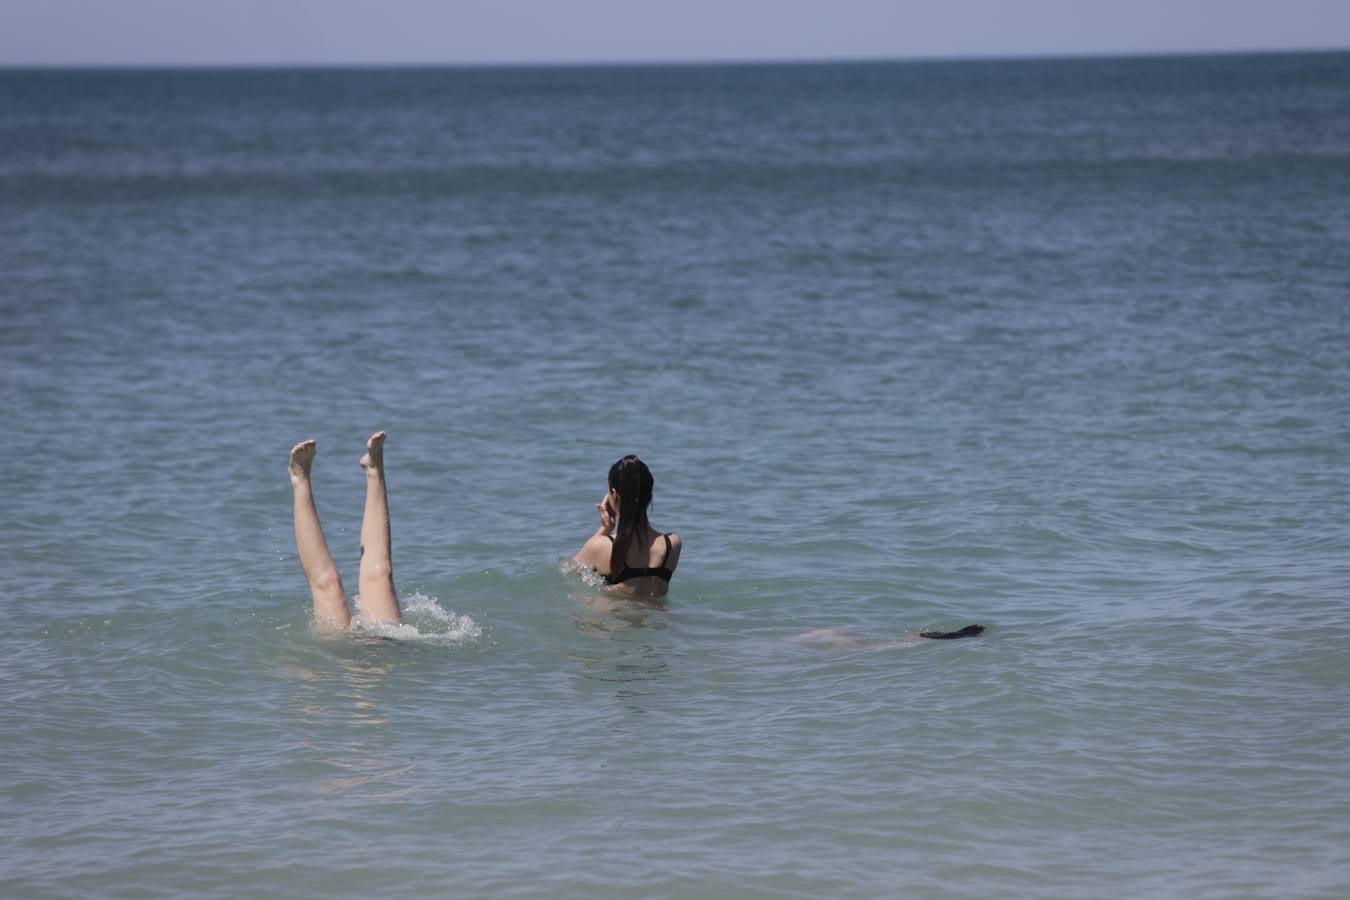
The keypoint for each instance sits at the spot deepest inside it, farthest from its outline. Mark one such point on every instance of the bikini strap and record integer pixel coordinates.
(665, 559)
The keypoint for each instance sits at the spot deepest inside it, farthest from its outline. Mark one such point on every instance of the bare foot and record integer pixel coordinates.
(302, 457)
(373, 461)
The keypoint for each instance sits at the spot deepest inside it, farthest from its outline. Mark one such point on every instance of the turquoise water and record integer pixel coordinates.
(1059, 347)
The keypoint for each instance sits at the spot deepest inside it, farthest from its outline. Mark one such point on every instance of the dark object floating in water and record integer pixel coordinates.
(968, 631)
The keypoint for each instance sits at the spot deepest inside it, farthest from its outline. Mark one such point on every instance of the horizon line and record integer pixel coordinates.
(676, 62)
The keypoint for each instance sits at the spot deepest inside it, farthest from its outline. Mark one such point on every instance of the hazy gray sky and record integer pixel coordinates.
(59, 32)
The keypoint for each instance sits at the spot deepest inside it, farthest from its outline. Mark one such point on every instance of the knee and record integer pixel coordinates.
(327, 579)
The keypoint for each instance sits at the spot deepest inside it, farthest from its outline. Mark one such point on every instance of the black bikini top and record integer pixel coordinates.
(645, 571)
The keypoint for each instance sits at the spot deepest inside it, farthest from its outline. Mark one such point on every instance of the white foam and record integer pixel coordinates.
(424, 619)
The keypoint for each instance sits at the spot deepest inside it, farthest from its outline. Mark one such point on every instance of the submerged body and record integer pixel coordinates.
(839, 639)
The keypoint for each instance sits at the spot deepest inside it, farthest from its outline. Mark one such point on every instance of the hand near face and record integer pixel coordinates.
(608, 513)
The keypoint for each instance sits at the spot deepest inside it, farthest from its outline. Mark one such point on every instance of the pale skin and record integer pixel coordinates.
(647, 550)
(379, 602)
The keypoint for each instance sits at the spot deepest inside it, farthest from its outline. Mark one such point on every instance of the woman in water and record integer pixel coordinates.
(379, 603)
(635, 559)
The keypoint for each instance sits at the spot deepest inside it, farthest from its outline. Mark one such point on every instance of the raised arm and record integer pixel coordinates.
(595, 552)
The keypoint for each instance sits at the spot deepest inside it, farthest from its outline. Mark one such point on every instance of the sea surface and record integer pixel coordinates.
(1061, 347)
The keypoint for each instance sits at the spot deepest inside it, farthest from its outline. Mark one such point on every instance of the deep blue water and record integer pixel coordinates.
(1056, 346)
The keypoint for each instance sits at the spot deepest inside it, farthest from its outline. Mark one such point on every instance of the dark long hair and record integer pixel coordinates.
(633, 480)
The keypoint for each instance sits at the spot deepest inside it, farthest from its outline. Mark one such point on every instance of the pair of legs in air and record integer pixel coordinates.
(379, 603)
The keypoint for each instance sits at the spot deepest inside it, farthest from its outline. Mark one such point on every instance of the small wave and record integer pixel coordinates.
(425, 620)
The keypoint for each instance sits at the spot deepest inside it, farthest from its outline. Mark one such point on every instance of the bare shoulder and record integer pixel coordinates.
(675, 545)
(595, 552)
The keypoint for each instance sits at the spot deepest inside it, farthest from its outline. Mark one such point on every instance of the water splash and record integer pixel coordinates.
(583, 573)
(424, 620)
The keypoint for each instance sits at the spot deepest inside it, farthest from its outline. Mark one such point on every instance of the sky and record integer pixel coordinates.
(334, 32)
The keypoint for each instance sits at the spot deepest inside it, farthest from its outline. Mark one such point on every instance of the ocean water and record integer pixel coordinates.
(1060, 347)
